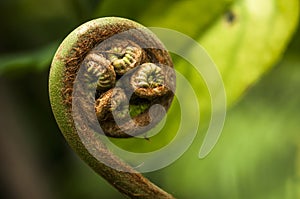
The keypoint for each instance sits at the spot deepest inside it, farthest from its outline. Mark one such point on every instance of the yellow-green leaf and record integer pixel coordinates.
(249, 40)
(189, 17)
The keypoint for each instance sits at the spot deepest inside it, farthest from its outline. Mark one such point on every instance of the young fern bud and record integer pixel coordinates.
(103, 80)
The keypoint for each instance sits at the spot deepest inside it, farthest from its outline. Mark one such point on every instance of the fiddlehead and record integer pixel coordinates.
(104, 79)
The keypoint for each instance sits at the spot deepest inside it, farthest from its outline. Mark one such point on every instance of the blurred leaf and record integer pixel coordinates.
(249, 39)
(16, 64)
(130, 9)
(189, 17)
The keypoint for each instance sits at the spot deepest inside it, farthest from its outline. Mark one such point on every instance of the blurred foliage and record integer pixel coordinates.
(258, 155)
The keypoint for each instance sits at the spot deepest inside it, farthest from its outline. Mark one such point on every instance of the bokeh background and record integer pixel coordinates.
(256, 46)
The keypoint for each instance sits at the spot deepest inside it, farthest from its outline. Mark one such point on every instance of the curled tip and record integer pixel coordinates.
(85, 96)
